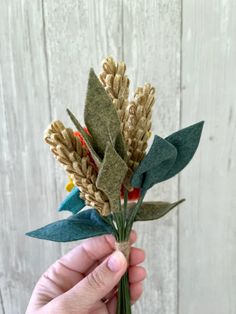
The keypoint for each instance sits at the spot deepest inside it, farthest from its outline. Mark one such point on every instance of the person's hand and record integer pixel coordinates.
(85, 279)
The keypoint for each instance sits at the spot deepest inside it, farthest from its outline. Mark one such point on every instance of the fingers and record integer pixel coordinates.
(133, 237)
(82, 257)
(99, 282)
(91, 251)
(136, 290)
(137, 256)
(137, 274)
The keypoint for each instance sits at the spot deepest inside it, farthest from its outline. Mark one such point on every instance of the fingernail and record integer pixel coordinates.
(116, 261)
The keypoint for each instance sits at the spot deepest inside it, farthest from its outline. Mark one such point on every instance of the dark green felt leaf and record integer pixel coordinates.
(85, 224)
(155, 165)
(86, 137)
(155, 210)
(167, 157)
(111, 175)
(101, 118)
(72, 202)
(186, 142)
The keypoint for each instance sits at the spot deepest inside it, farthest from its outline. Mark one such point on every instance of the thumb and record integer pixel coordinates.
(100, 281)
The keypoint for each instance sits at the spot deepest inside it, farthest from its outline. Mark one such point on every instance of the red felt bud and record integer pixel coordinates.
(132, 195)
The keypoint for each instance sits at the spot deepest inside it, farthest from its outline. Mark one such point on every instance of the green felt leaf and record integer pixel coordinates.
(120, 147)
(158, 161)
(155, 210)
(85, 224)
(111, 175)
(186, 142)
(167, 157)
(86, 137)
(101, 118)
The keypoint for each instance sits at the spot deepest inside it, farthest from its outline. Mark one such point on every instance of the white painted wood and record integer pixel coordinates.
(207, 281)
(79, 35)
(27, 185)
(152, 52)
(47, 48)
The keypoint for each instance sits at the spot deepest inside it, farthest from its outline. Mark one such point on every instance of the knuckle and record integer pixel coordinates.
(96, 279)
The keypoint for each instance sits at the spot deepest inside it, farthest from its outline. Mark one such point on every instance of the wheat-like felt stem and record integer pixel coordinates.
(137, 128)
(116, 84)
(135, 116)
(75, 158)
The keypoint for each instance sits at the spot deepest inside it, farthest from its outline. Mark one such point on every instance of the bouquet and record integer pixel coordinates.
(109, 167)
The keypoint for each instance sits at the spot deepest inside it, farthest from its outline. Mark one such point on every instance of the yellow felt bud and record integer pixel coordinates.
(70, 185)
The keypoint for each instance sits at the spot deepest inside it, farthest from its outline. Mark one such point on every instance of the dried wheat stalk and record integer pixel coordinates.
(69, 151)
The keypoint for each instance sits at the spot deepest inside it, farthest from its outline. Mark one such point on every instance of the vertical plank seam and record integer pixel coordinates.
(45, 45)
(122, 31)
(48, 76)
(1, 303)
(46, 60)
(180, 125)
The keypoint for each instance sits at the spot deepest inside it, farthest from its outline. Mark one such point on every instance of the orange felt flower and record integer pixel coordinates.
(77, 133)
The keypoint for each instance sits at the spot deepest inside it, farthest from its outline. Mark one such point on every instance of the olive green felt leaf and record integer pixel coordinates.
(158, 161)
(86, 137)
(85, 224)
(186, 142)
(111, 175)
(101, 118)
(155, 210)
(121, 147)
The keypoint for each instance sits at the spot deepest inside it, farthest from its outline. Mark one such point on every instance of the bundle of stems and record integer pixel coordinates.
(122, 222)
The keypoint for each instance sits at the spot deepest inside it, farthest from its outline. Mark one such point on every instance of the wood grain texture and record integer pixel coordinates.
(79, 35)
(151, 46)
(27, 185)
(46, 50)
(207, 254)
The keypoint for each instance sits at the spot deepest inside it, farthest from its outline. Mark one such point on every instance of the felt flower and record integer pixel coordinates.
(132, 195)
(77, 133)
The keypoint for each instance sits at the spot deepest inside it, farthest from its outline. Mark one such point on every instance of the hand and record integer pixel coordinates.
(85, 279)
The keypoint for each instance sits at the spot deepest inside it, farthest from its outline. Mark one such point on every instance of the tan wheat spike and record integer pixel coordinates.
(135, 116)
(137, 124)
(69, 151)
(116, 84)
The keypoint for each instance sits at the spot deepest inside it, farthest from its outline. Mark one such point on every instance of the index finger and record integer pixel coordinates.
(82, 257)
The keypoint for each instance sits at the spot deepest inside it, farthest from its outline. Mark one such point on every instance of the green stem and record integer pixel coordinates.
(133, 214)
(124, 227)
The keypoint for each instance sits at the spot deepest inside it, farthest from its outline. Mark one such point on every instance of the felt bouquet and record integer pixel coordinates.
(108, 166)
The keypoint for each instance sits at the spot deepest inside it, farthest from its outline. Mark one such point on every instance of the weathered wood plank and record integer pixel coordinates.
(207, 220)
(79, 35)
(152, 52)
(27, 186)
(46, 51)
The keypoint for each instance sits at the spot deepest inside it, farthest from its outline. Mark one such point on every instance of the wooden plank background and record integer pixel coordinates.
(187, 50)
